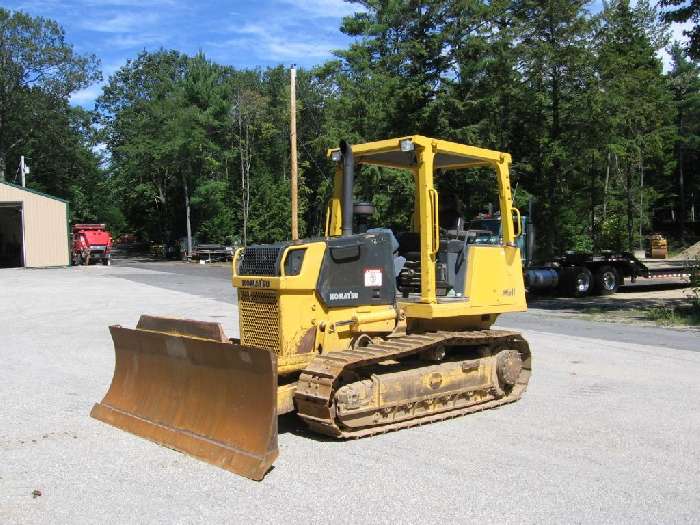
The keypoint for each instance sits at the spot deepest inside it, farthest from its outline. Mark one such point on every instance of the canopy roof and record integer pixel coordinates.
(448, 155)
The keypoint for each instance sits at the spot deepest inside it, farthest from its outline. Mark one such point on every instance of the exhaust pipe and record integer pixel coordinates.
(348, 182)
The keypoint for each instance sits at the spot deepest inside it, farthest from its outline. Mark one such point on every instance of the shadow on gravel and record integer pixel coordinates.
(210, 281)
(292, 424)
(627, 298)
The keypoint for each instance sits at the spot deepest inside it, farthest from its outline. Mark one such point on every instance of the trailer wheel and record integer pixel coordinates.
(606, 281)
(577, 281)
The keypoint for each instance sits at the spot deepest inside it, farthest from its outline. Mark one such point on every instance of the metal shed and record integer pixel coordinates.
(33, 228)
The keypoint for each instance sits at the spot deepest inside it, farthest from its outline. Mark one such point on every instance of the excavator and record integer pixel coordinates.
(325, 333)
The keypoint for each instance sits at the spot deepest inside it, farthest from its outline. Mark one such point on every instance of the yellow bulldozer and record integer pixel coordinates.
(358, 332)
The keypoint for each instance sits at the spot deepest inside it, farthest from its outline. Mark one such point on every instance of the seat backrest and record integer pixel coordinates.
(409, 245)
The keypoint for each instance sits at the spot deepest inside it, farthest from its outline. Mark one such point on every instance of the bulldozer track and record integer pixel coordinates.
(321, 379)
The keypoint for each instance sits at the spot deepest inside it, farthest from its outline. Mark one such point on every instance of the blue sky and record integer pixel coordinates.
(243, 33)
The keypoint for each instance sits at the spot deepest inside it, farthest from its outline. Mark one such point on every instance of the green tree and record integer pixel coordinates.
(198, 112)
(134, 110)
(38, 72)
(201, 148)
(684, 11)
(684, 79)
(638, 128)
(552, 56)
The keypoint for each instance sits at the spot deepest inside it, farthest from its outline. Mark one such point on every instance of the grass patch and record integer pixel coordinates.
(688, 315)
(611, 314)
(594, 310)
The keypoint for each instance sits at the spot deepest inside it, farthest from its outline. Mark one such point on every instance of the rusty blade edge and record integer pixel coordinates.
(106, 413)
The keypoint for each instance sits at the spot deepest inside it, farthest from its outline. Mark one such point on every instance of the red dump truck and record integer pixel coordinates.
(91, 243)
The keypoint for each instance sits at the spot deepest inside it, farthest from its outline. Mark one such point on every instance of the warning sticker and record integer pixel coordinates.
(373, 277)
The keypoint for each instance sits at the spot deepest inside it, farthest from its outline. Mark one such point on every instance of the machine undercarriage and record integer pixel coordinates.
(412, 380)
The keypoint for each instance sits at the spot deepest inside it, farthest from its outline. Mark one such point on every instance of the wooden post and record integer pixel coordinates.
(641, 199)
(187, 215)
(293, 140)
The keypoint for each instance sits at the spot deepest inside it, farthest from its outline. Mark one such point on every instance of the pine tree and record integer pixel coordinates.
(684, 79)
(638, 130)
(684, 11)
(552, 53)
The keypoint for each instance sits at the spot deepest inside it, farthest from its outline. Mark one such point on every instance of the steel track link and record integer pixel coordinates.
(320, 380)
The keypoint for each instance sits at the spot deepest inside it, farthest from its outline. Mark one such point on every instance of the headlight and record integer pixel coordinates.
(293, 262)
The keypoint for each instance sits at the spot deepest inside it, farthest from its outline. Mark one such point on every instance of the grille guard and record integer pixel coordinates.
(259, 316)
(261, 260)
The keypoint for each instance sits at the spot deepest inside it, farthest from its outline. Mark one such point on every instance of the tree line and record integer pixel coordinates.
(602, 138)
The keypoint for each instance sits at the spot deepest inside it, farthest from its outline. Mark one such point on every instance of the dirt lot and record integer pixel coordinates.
(692, 252)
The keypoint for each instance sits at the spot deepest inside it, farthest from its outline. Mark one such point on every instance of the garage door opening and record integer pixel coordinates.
(11, 235)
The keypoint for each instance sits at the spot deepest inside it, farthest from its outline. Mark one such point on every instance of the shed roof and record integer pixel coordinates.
(35, 192)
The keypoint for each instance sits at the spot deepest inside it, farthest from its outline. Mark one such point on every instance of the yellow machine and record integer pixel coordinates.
(324, 332)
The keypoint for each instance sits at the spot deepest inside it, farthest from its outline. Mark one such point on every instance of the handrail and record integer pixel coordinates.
(436, 226)
(519, 222)
(285, 254)
(328, 218)
(234, 262)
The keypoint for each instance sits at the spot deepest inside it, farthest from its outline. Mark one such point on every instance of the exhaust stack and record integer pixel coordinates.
(348, 183)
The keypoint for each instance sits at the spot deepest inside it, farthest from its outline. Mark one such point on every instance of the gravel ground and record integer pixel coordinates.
(692, 252)
(606, 433)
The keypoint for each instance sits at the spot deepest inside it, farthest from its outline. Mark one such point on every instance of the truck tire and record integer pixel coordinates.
(606, 281)
(576, 281)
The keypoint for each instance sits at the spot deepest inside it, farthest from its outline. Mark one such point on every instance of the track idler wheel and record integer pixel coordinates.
(509, 364)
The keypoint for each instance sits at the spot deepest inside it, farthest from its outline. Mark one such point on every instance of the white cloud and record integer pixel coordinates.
(86, 97)
(281, 50)
(277, 49)
(134, 40)
(113, 66)
(676, 36)
(677, 31)
(250, 29)
(129, 3)
(244, 32)
(100, 149)
(273, 41)
(324, 8)
(123, 22)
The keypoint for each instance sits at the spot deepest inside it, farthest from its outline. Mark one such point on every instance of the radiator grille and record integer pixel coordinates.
(259, 260)
(259, 315)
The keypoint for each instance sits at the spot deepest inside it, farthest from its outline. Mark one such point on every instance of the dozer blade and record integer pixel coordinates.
(182, 384)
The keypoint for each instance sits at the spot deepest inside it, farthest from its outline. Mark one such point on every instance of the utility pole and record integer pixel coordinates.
(23, 171)
(641, 199)
(293, 140)
(187, 216)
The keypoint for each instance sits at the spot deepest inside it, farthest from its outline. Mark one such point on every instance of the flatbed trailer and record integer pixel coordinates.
(579, 274)
(664, 268)
(212, 253)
